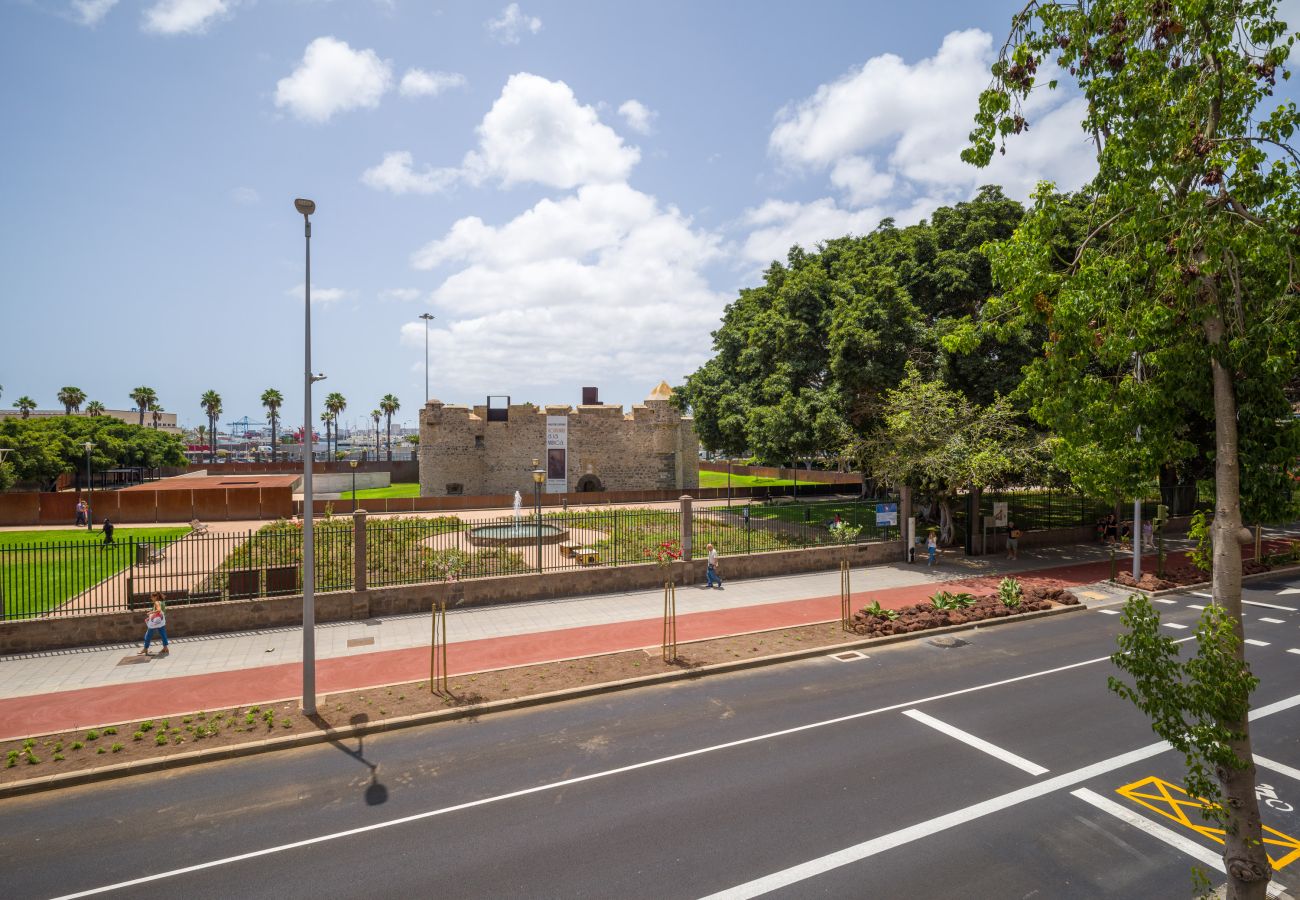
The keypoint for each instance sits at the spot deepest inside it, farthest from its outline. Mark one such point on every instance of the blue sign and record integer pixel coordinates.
(886, 513)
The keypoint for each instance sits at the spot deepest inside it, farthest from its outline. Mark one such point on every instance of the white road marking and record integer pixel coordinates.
(1201, 594)
(1172, 625)
(795, 874)
(978, 743)
(1203, 855)
(1274, 766)
(1271, 621)
(556, 785)
(1286, 591)
(1194, 606)
(1256, 643)
(1109, 612)
(1270, 605)
(1163, 600)
(1293, 651)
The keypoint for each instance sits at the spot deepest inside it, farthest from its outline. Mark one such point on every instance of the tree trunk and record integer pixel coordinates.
(1243, 852)
(273, 440)
(388, 439)
(945, 523)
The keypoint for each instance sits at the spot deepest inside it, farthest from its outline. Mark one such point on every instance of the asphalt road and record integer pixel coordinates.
(823, 778)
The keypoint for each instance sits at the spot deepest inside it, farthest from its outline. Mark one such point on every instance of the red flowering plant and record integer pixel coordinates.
(665, 554)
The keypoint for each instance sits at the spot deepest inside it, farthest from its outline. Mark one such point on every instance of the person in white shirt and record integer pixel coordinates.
(711, 571)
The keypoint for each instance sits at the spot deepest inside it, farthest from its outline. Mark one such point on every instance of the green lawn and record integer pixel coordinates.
(399, 489)
(719, 480)
(41, 569)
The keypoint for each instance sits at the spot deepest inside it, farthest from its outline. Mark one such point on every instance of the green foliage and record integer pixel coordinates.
(1192, 703)
(875, 609)
(1201, 532)
(1009, 593)
(45, 448)
(949, 600)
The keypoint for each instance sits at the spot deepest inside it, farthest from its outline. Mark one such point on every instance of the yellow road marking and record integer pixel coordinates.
(1172, 802)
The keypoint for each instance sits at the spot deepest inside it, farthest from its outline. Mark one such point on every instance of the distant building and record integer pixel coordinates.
(595, 447)
(166, 420)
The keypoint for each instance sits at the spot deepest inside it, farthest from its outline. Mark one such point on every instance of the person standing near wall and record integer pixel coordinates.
(156, 621)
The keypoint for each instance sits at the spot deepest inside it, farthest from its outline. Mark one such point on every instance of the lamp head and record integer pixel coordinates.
(316, 378)
(89, 445)
(352, 463)
(427, 317)
(306, 207)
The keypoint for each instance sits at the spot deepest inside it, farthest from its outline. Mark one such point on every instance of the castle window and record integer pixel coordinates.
(455, 489)
(478, 442)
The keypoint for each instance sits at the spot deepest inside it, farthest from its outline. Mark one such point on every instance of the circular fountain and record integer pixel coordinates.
(519, 534)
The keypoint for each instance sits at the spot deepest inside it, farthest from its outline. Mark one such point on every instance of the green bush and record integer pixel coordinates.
(1009, 593)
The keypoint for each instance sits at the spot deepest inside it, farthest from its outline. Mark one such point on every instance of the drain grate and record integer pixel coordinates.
(947, 643)
(361, 642)
(848, 656)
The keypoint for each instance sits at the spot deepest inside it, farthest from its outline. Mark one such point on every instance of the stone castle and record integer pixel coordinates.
(595, 447)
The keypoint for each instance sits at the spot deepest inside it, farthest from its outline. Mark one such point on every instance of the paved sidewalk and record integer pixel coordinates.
(42, 692)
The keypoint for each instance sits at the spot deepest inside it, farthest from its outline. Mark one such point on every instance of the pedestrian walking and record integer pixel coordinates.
(81, 512)
(108, 531)
(156, 621)
(711, 569)
(931, 548)
(1013, 541)
(1148, 536)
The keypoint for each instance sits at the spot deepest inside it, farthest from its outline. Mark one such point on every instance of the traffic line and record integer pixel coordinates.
(1165, 601)
(1280, 768)
(1109, 612)
(857, 852)
(1194, 606)
(978, 743)
(1256, 643)
(1173, 625)
(1293, 651)
(1270, 605)
(1203, 855)
(1201, 594)
(1271, 621)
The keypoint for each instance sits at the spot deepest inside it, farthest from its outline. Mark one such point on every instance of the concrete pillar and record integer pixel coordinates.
(359, 550)
(688, 527)
(904, 515)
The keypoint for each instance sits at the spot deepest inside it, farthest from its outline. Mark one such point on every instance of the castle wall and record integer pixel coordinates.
(652, 448)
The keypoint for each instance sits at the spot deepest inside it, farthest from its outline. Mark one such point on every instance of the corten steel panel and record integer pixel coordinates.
(245, 583)
(60, 509)
(20, 509)
(277, 503)
(377, 505)
(138, 506)
(175, 506)
(243, 503)
(210, 506)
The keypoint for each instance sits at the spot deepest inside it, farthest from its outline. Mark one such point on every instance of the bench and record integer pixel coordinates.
(198, 527)
(780, 501)
(568, 547)
(586, 556)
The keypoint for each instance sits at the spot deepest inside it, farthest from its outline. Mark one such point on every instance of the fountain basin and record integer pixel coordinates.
(522, 534)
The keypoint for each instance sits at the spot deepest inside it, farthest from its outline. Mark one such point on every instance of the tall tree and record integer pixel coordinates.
(335, 403)
(155, 414)
(142, 397)
(327, 418)
(211, 403)
(375, 416)
(1182, 296)
(94, 408)
(390, 405)
(25, 405)
(272, 400)
(71, 398)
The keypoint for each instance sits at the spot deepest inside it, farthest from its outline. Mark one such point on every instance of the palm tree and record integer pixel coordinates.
(200, 432)
(272, 400)
(389, 404)
(94, 408)
(335, 403)
(327, 417)
(374, 414)
(156, 411)
(143, 397)
(71, 398)
(211, 403)
(25, 405)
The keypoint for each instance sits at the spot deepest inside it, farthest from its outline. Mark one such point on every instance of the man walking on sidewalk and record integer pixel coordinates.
(711, 569)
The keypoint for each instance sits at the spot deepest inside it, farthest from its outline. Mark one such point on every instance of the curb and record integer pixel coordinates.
(330, 735)
(1184, 588)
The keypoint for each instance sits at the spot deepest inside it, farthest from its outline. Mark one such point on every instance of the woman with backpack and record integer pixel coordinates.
(156, 621)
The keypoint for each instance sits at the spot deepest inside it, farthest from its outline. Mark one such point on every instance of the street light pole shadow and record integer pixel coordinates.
(376, 792)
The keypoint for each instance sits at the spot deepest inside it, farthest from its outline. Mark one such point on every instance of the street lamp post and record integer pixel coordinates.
(90, 488)
(728, 481)
(353, 464)
(427, 319)
(307, 207)
(539, 476)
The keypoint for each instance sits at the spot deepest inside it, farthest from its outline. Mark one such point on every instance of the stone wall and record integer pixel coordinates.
(652, 448)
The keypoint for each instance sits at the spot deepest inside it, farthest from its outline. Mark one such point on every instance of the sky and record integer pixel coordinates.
(575, 190)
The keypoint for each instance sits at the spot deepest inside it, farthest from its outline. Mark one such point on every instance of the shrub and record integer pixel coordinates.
(1009, 593)
(92, 735)
(875, 609)
(117, 748)
(110, 730)
(948, 600)
(138, 736)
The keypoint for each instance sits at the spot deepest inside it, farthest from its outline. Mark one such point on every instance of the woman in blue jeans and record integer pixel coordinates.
(156, 620)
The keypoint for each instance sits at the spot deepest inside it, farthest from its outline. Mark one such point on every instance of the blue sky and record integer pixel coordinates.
(574, 189)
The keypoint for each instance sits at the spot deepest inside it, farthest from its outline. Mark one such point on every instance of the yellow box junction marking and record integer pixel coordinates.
(1172, 802)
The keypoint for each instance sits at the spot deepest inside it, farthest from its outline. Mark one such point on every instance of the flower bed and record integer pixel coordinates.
(965, 608)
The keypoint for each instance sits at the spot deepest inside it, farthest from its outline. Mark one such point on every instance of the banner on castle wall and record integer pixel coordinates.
(557, 454)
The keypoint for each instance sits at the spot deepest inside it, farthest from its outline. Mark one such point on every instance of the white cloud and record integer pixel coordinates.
(538, 131)
(891, 131)
(510, 25)
(396, 173)
(1288, 11)
(535, 132)
(419, 83)
(403, 294)
(777, 225)
(90, 12)
(318, 294)
(333, 78)
(184, 16)
(638, 116)
(245, 196)
(602, 281)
